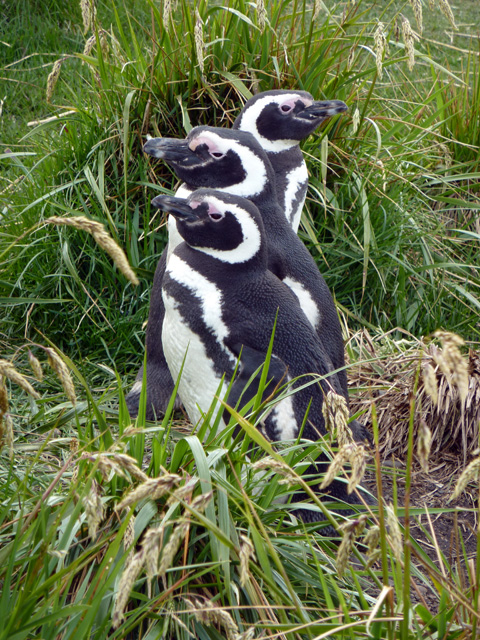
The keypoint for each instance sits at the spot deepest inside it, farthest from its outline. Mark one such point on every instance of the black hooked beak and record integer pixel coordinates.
(178, 207)
(168, 149)
(323, 109)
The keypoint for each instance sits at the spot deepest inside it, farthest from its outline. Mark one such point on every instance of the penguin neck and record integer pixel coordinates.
(283, 161)
(215, 269)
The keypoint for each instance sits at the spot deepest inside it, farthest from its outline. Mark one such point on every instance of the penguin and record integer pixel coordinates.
(280, 120)
(293, 116)
(221, 300)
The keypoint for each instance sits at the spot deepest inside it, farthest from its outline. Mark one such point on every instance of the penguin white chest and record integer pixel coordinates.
(296, 187)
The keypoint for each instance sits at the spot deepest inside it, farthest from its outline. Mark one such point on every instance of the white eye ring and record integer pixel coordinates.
(216, 154)
(216, 216)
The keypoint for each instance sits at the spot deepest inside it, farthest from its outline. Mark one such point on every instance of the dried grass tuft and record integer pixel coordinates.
(448, 393)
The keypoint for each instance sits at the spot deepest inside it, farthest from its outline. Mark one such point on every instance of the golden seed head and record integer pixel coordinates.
(89, 14)
(3, 398)
(358, 461)
(152, 544)
(52, 78)
(430, 383)
(208, 614)
(279, 467)
(380, 40)
(371, 540)
(246, 554)
(409, 38)
(199, 503)
(36, 366)
(417, 12)
(63, 374)
(395, 534)
(199, 43)
(8, 434)
(117, 463)
(424, 444)
(125, 586)
(469, 474)
(261, 15)
(129, 535)
(356, 120)
(94, 510)
(102, 238)
(7, 370)
(344, 551)
(153, 488)
(89, 44)
(446, 9)
(336, 414)
(172, 546)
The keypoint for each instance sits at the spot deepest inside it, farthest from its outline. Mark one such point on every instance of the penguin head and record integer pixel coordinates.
(279, 120)
(231, 161)
(226, 227)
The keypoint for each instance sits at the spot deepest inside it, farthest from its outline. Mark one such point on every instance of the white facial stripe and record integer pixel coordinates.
(251, 236)
(199, 381)
(250, 116)
(307, 303)
(295, 179)
(205, 290)
(256, 178)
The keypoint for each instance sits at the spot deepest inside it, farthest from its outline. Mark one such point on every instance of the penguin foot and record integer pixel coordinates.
(160, 388)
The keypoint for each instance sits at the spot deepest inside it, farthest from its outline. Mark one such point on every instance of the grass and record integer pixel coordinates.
(393, 225)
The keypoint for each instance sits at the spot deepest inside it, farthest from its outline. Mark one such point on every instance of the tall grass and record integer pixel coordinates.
(393, 225)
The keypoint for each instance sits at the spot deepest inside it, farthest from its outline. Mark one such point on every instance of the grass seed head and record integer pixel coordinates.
(153, 488)
(7, 436)
(199, 503)
(358, 461)
(127, 581)
(53, 78)
(172, 546)
(417, 12)
(344, 551)
(430, 383)
(3, 398)
(151, 544)
(102, 238)
(261, 15)
(451, 361)
(183, 492)
(380, 40)
(395, 534)
(471, 473)
(35, 366)
(424, 444)
(409, 38)
(199, 43)
(63, 374)
(94, 509)
(118, 463)
(167, 13)
(355, 120)
(208, 614)
(89, 14)
(446, 9)
(277, 466)
(371, 541)
(336, 414)
(7, 370)
(246, 554)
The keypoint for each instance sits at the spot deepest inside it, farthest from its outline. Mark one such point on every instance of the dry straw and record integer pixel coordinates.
(7, 370)
(451, 361)
(9, 437)
(101, 237)
(60, 368)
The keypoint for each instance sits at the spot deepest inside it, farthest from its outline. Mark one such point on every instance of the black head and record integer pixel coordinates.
(282, 119)
(232, 161)
(226, 227)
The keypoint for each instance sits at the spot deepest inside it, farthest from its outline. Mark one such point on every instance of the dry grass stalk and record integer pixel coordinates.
(7, 370)
(60, 368)
(35, 366)
(89, 14)
(395, 535)
(208, 614)
(380, 40)
(470, 474)
(94, 509)
(246, 554)
(153, 488)
(199, 42)
(53, 78)
(102, 238)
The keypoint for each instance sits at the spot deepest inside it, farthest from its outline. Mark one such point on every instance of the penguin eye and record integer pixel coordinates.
(216, 154)
(216, 216)
(286, 108)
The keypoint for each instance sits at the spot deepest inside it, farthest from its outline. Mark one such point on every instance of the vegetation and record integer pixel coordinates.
(110, 529)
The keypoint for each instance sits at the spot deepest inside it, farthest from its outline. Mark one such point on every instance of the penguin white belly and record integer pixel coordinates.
(296, 180)
(199, 381)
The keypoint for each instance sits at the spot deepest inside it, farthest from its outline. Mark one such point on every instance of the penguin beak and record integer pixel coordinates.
(323, 109)
(178, 207)
(167, 148)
